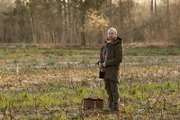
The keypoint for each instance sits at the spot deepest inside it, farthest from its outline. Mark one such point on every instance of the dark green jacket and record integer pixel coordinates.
(114, 59)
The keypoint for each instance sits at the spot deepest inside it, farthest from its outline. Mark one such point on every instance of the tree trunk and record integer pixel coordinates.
(69, 22)
(32, 23)
(129, 5)
(110, 12)
(155, 19)
(60, 22)
(121, 13)
(65, 21)
(167, 15)
(83, 39)
(155, 7)
(32, 27)
(151, 19)
(152, 7)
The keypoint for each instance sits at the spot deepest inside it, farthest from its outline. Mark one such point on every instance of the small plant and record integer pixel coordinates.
(51, 62)
(17, 66)
(15, 61)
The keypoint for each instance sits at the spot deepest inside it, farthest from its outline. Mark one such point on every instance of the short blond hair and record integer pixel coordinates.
(112, 30)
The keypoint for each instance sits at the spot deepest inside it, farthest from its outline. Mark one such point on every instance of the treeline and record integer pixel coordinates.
(85, 22)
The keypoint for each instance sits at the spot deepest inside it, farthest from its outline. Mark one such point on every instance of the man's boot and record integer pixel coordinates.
(110, 103)
(116, 108)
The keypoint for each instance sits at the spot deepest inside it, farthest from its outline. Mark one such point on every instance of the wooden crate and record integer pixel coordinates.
(92, 103)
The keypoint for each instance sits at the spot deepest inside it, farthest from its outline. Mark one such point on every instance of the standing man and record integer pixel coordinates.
(111, 54)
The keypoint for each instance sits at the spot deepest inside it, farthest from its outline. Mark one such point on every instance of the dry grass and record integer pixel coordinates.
(149, 85)
(151, 43)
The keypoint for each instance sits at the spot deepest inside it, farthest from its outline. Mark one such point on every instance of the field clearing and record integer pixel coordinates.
(51, 83)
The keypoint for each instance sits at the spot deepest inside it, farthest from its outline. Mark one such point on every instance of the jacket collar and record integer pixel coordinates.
(115, 41)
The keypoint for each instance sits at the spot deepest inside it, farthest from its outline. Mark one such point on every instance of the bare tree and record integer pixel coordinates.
(110, 11)
(167, 15)
(121, 13)
(69, 21)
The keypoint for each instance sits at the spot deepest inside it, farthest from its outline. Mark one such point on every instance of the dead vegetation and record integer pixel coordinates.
(149, 84)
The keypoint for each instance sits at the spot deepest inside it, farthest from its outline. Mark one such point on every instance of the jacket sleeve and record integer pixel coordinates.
(118, 57)
(101, 55)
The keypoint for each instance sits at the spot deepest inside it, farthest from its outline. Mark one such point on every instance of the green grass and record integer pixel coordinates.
(69, 52)
(153, 51)
(149, 83)
(45, 97)
(49, 96)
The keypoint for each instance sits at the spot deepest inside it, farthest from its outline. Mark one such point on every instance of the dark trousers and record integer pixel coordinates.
(113, 94)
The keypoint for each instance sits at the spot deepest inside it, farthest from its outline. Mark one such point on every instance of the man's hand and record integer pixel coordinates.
(103, 64)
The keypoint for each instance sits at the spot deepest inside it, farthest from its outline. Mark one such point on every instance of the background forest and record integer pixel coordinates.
(84, 22)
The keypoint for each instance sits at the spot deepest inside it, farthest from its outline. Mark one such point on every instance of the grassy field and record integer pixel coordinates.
(51, 83)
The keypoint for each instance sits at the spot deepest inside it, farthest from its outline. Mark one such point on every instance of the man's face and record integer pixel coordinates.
(111, 35)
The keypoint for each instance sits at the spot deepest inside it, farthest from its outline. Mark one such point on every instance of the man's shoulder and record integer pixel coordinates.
(118, 46)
